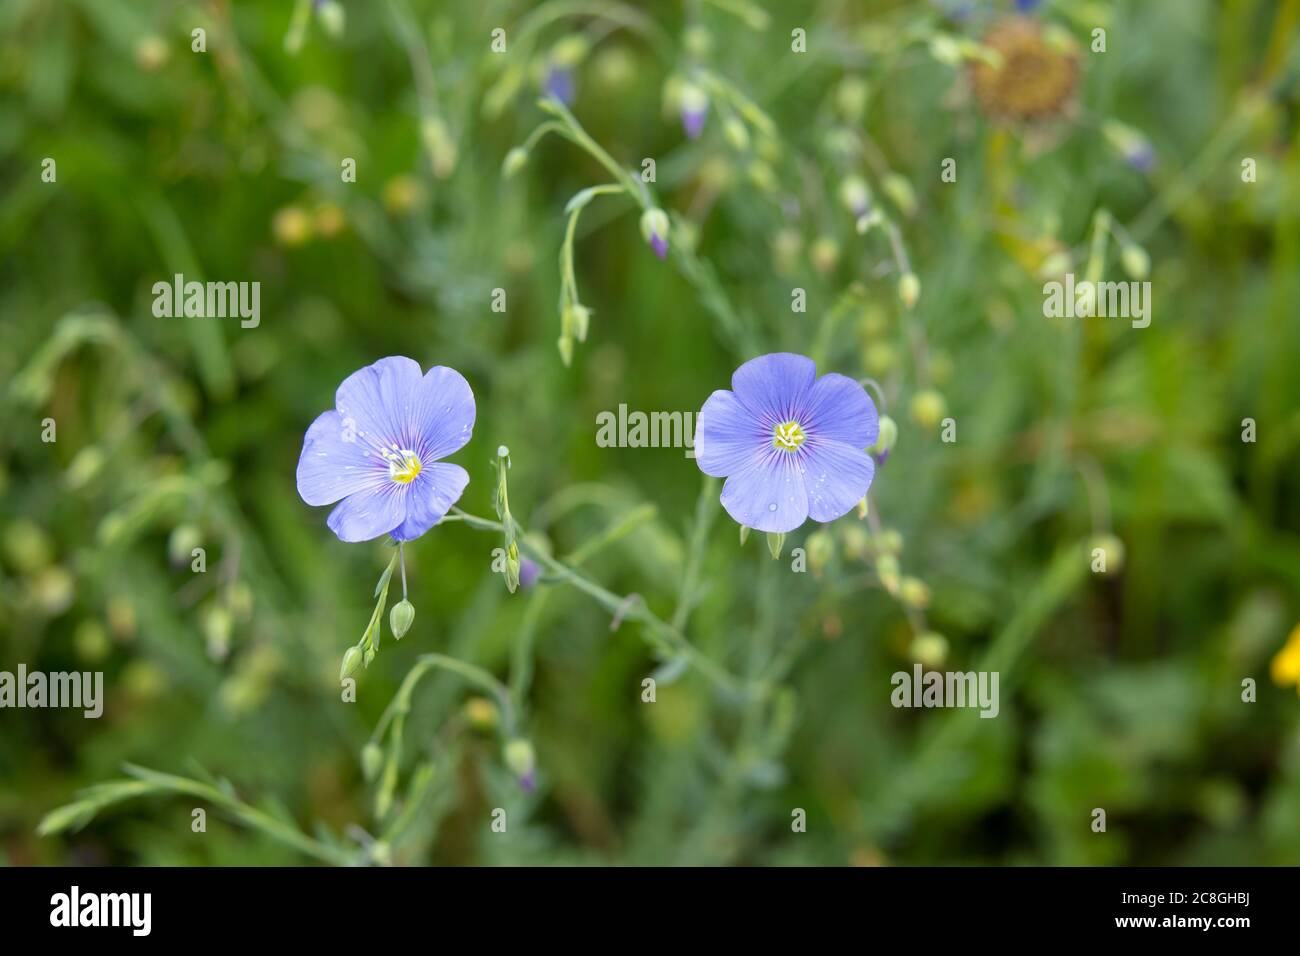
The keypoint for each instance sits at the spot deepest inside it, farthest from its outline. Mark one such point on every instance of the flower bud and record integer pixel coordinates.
(440, 146)
(481, 713)
(889, 541)
(825, 254)
(515, 160)
(856, 541)
(400, 618)
(900, 191)
(291, 226)
(181, 544)
(372, 758)
(332, 17)
(929, 649)
(887, 571)
(521, 760)
(1135, 260)
(928, 408)
(914, 593)
(151, 53)
(351, 661)
(886, 437)
(736, 133)
(1107, 554)
(855, 195)
(695, 110)
(654, 228)
(909, 289)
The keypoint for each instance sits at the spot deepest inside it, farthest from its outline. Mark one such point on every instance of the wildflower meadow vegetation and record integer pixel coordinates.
(952, 515)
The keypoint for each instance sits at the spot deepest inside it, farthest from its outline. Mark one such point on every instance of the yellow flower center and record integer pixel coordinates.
(788, 436)
(403, 465)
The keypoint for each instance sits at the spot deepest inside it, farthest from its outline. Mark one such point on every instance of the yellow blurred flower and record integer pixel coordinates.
(1286, 664)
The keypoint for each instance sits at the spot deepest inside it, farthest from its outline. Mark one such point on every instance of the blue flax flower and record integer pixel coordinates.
(377, 453)
(791, 445)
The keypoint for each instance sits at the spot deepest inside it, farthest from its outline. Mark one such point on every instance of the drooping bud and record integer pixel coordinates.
(521, 760)
(856, 195)
(372, 758)
(654, 228)
(515, 160)
(695, 110)
(401, 617)
(885, 438)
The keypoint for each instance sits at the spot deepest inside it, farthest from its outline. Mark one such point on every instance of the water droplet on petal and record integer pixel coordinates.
(772, 506)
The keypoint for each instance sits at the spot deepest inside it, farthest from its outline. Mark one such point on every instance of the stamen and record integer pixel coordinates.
(403, 465)
(788, 436)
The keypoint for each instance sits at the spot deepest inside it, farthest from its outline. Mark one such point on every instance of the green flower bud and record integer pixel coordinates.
(400, 618)
(744, 535)
(1107, 554)
(886, 437)
(889, 541)
(909, 289)
(332, 17)
(928, 408)
(521, 760)
(887, 571)
(898, 189)
(1135, 260)
(351, 661)
(515, 160)
(914, 593)
(825, 254)
(736, 133)
(372, 758)
(929, 649)
(181, 543)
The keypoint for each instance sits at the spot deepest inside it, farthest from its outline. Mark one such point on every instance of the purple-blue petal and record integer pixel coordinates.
(378, 401)
(435, 489)
(773, 386)
(369, 513)
(727, 435)
(836, 477)
(839, 409)
(334, 463)
(768, 494)
(444, 414)
(659, 244)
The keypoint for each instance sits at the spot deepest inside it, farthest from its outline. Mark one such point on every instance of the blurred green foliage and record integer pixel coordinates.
(1120, 690)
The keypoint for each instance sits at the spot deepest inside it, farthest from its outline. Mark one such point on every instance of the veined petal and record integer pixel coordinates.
(444, 413)
(768, 494)
(380, 402)
(334, 463)
(836, 476)
(839, 409)
(773, 386)
(369, 513)
(438, 486)
(727, 435)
